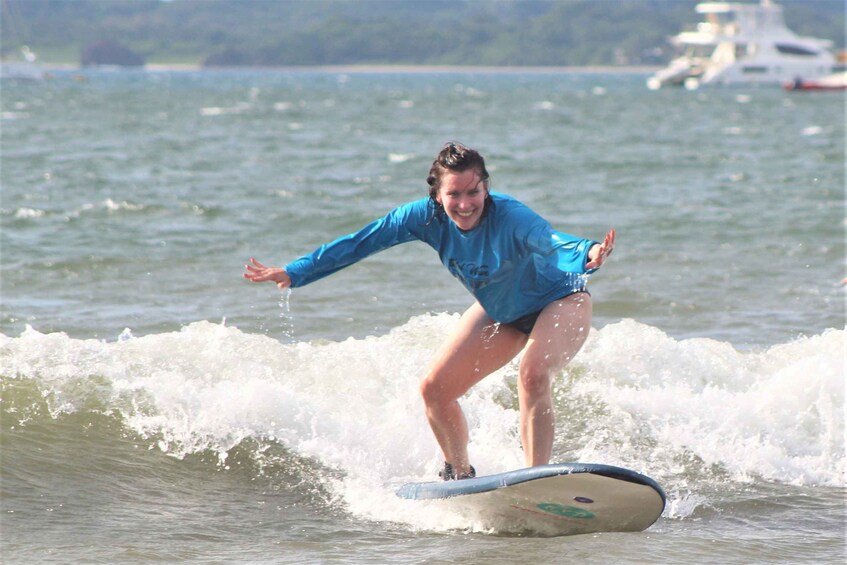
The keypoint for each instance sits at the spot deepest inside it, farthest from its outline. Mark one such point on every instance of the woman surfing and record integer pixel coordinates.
(529, 282)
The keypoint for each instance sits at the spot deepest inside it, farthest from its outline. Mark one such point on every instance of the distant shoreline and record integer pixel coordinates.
(380, 69)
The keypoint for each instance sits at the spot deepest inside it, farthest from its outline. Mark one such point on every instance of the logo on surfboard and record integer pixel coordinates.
(565, 511)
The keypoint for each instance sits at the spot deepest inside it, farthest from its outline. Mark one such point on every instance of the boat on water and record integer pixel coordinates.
(743, 44)
(25, 68)
(835, 81)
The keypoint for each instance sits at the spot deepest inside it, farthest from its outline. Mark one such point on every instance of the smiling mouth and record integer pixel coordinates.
(465, 214)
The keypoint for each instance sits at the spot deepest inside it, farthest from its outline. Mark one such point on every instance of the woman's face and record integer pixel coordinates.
(463, 197)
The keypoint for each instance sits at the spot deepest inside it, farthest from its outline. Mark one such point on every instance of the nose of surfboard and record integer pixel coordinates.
(553, 500)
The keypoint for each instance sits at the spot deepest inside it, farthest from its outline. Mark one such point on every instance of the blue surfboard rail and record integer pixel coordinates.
(449, 489)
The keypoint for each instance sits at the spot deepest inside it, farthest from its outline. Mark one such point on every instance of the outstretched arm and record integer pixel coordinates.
(599, 252)
(257, 272)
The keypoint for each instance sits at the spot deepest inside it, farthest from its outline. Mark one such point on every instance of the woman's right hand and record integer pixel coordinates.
(256, 272)
(598, 253)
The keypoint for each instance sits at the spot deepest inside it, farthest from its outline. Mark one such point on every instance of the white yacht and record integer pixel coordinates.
(25, 68)
(742, 43)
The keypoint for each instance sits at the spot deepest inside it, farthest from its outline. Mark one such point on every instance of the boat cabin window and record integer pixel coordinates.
(788, 49)
(754, 70)
(744, 50)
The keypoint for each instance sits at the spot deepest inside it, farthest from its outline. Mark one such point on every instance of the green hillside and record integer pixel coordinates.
(323, 32)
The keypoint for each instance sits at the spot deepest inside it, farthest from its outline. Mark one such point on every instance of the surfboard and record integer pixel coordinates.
(553, 500)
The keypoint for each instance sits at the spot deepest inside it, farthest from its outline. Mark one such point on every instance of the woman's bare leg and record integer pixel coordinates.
(474, 350)
(557, 337)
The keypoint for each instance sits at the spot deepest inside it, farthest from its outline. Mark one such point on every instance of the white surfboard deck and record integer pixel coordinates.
(553, 500)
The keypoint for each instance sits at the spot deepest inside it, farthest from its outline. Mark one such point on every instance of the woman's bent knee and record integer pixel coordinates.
(535, 382)
(432, 392)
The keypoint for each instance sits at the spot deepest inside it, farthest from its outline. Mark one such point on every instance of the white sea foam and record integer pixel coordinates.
(675, 410)
(775, 414)
(239, 108)
(28, 213)
(113, 206)
(400, 157)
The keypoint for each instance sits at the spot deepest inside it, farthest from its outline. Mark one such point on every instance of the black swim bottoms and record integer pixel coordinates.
(525, 324)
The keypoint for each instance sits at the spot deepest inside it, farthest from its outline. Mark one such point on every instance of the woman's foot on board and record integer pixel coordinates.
(449, 474)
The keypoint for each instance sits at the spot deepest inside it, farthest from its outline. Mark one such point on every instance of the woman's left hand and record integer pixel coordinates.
(257, 272)
(599, 252)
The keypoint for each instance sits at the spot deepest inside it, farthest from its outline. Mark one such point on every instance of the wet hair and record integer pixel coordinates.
(454, 158)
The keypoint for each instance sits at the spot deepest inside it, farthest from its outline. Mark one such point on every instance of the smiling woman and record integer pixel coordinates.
(462, 199)
(529, 282)
(454, 185)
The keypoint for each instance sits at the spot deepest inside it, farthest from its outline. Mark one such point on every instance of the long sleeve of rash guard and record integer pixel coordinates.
(513, 262)
(394, 228)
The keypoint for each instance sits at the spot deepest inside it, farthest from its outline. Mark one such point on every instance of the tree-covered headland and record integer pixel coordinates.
(393, 32)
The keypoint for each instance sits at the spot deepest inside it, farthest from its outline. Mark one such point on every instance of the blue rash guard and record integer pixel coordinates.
(513, 262)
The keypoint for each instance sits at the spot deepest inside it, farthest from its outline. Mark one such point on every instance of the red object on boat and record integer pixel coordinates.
(837, 81)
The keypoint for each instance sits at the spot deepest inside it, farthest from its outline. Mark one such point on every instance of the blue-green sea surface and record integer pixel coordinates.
(157, 407)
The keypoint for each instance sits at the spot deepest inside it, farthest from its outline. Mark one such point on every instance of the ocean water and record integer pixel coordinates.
(157, 407)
